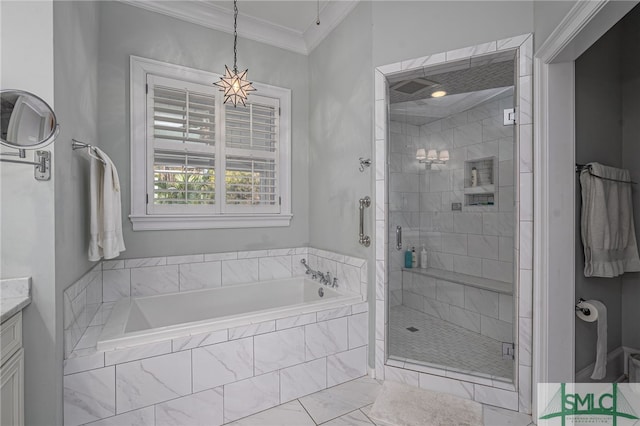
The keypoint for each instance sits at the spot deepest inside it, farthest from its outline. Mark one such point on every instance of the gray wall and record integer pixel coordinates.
(598, 138)
(341, 117)
(411, 29)
(75, 86)
(127, 30)
(340, 130)
(546, 17)
(630, 160)
(27, 215)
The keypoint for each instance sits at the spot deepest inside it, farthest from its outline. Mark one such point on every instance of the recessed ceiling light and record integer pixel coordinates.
(438, 94)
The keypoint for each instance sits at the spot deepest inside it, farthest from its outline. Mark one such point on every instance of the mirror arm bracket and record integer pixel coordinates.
(42, 165)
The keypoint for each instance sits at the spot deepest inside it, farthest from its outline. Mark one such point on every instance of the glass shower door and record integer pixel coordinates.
(451, 192)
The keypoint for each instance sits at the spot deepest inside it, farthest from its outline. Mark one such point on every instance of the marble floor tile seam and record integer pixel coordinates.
(507, 416)
(307, 411)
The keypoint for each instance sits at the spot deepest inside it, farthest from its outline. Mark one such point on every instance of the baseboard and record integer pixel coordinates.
(628, 351)
(616, 367)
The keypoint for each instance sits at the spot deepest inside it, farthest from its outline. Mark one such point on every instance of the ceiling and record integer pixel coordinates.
(289, 24)
(467, 83)
(425, 111)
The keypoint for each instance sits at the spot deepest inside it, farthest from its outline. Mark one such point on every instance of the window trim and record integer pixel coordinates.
(143, 221)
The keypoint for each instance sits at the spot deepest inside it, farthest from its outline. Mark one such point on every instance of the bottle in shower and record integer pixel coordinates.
(423, 258)
(474, 177)
(414, 258)
(407, 259)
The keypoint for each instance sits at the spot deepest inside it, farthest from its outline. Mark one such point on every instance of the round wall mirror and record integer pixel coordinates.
(26, 121)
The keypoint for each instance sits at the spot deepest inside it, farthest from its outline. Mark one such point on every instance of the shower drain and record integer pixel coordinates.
(412, 329)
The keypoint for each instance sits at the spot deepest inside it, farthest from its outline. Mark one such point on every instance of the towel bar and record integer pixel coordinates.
(581, 167)
(76, 144)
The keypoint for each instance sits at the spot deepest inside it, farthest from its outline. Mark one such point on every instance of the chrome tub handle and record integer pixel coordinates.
(398, 237)
(365, 240)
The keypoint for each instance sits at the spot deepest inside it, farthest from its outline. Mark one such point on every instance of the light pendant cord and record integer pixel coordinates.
(318, 12)
(235, 36)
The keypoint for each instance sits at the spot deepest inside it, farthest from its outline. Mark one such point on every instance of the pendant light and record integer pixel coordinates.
(235, 86)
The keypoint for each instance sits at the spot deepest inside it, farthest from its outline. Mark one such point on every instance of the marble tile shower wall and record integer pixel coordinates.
(478, 240)
(482, 311)
(116, 279)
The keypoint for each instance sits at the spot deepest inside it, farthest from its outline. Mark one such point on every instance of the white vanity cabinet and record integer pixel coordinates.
(12, 372)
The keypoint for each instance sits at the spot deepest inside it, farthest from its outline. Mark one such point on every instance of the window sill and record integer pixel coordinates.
(173, 222)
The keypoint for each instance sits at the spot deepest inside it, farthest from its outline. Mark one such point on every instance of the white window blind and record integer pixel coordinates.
(251, 156)
(181, 147)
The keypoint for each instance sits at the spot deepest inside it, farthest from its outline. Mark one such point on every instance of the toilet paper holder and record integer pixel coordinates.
(585, 311)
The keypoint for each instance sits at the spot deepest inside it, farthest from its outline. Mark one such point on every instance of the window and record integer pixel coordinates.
(197, 163)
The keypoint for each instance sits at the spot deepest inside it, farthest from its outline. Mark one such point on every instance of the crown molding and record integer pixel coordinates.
(221, 19)
(330, 16)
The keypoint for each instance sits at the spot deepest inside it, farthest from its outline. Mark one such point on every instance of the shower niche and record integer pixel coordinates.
(480, 182)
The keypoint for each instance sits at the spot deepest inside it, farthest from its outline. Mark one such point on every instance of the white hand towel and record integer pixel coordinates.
(600, 369)
(105, 209)
(607, 228)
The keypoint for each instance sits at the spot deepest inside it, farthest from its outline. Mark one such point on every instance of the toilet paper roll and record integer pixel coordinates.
(597, 313)
(593, 311)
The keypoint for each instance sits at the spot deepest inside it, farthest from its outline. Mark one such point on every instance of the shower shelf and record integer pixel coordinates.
(470, 280)
(484, 189)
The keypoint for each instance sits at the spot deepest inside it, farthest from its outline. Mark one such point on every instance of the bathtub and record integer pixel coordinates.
(148, 319)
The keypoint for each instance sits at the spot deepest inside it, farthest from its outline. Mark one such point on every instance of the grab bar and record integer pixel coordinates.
(398, 237)
(365, 240)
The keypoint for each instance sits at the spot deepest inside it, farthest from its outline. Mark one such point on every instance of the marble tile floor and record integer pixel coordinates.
(445, 344)
(349, 404)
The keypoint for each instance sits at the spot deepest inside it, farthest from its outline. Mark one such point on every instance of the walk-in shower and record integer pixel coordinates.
(452, 186)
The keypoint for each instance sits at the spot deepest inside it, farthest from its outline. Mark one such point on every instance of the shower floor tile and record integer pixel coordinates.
(445, 344)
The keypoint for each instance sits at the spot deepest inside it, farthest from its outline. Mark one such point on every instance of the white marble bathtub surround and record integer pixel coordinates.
(148, 350)
(200, 339)
(252, 329)
(274, 351)
(326, 338)
(345, 366)
(152, 280)
(116, 284)
(251, 395)
(295, 321)
(303, 379)
(197, 276)
(199, 409)
(270, 268)
(158, 275)
(152, 380)
(208, 378)
(81, 301)
(89, 396)
(358, 330)
(223, 363)
(83, 360)
(143, 416)
(488, 251)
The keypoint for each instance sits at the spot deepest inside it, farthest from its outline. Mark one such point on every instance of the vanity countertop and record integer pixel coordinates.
(15, 294)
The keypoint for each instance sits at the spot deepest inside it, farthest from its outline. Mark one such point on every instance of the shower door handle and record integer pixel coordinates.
(398, 237)
(365, 240)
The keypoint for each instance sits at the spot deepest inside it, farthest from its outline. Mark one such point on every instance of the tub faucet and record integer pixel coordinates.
(325, 279)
